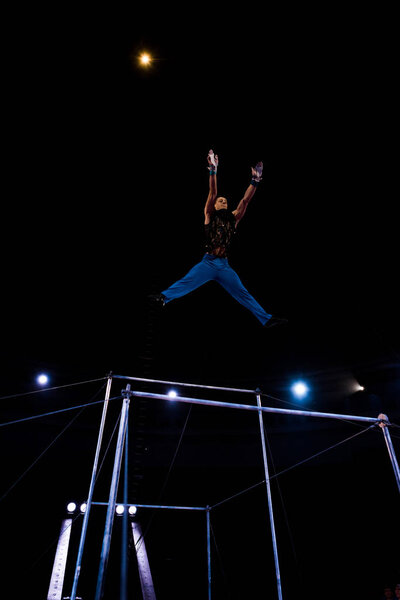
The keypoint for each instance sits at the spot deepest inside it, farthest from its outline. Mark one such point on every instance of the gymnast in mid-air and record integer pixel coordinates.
(220, 227)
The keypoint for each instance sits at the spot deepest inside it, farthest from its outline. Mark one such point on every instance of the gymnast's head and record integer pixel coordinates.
(221, 203)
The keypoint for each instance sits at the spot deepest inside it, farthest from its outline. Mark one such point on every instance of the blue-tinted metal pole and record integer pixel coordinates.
(60, 562)
(113, 495)
(91, 489)
(123, 594)
(267, 409)
(271, 512)
(145, 576)
(384, 426)
(208, 552)
(155, 506)
(183, 384)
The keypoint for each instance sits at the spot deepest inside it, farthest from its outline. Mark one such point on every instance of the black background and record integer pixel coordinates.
(104, 187)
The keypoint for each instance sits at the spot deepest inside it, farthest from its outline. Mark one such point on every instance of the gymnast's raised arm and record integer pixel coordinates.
(212, 193)
(256, 176)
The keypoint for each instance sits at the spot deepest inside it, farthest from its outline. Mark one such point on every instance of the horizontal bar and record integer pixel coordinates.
(154, 506)
(195, 385)
(280, 411)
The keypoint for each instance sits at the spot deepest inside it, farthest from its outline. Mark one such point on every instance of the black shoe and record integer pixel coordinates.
(158, 299)
(275, 321)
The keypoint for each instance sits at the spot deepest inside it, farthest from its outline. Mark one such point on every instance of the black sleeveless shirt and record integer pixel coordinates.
(219, 232)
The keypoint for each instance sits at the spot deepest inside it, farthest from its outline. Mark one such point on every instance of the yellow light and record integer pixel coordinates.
(145, 59)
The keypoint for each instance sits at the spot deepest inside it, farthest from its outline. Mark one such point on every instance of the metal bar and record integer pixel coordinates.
(385, 430)
(208, 552)
(60, 562)
(155, 506)
(146, 580)
(113, 495)
(280, 411)
(268, 486)
(181, 383)
(91, 489)
(123, 593)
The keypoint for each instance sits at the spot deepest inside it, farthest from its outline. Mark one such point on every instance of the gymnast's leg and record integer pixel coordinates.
(230, 281)
(197, 276)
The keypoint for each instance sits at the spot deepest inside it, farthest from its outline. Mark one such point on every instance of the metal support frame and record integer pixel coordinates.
(113, 495)
(146, 579)
(384, 422)
(208, 551)
(91, 490)
(123, 594)
(270, 509)
(250, 407)
(381, 420)
(60, 562)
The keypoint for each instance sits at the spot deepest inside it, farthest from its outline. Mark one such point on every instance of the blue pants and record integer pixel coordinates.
(216, 269)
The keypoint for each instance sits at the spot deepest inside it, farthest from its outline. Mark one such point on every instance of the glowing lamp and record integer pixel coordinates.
(145, 59)
(300, 389)
(42, 379)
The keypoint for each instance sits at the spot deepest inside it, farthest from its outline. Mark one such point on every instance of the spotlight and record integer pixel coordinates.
(120, 509)
(300, 389)
(172, 394)
(145, 59)
(356, 387)
(71, 507)
(83, 507)
(42, 379)
(132, 510)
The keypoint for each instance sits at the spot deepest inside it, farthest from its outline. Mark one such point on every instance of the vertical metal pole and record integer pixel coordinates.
(146, 580)
(91, 489)
(268, 486)
(123, 594)
(208, 552)
(113, 495)
(60, 562)
(384, 426)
